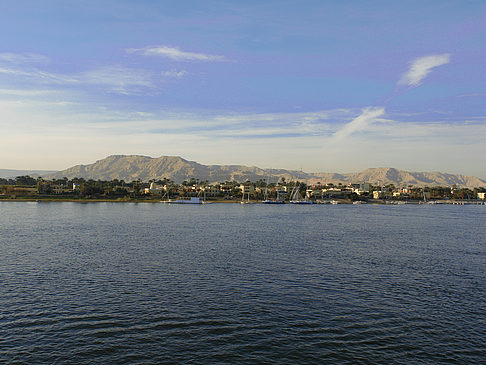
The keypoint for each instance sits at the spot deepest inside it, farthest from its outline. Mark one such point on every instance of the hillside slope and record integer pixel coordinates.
(145, 168)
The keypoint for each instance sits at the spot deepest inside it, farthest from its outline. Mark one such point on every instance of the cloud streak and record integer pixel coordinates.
(116, 78)
(174, 53)
(421, 67)
(174, 73)
(119, 79)
(34, 73)
(20, 58)
(361, 123)
(44, 124)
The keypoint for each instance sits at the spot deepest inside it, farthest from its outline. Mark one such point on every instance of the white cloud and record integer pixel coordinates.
(34, 73)
(12, 71)
(45, 124)
(22, 57)
(175, 53)
(119, 79)
(23, 92)
(174, 73)
(421, 67)
(364, 121)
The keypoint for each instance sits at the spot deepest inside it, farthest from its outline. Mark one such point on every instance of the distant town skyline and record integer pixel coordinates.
(315, 85)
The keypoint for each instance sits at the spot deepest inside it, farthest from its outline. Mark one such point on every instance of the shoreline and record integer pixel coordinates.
(226, 201)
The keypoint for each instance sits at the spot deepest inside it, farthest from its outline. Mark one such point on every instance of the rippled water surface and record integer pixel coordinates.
(151, 283)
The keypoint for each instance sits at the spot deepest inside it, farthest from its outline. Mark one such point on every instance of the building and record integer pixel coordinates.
(226, 188)
(382, 194)
(482, 196)
(315, 193)
(364, 188)
(247, 188)
(211, 190)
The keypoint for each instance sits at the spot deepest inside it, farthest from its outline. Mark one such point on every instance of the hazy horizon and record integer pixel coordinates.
(248, 165)
(318, 86)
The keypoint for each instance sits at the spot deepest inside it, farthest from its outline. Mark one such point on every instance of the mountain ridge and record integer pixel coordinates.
(12, 173)
(176, 168)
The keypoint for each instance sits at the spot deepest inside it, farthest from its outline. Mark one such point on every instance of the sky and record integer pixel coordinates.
(322, 86)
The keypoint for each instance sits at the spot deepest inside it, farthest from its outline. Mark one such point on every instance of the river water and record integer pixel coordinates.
(225, 283)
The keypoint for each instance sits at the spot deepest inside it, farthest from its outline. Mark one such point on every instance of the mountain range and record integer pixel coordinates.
(175, 168)
(10, 173)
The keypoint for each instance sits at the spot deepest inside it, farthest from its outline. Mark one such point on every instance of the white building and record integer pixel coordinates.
(247, 188)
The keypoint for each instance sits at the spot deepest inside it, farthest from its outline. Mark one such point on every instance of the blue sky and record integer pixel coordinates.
(318, 85)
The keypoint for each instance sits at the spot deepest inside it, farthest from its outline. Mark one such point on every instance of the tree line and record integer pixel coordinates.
(89, 188)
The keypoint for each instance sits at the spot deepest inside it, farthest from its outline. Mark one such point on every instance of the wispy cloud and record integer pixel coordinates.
(365, 120)
(46, 123)
(23, 92)
(31, 68)
(22, 57)
(174, 73)
(472, 95)
(119, 79)
(421, 67)
(37, 74)
(174, 53)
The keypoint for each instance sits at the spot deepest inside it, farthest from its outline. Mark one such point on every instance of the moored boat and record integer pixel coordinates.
(269, 201)
(273, 202)
(296, 198)
(192, 200)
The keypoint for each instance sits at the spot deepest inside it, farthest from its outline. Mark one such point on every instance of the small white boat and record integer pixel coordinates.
(301, 202)
(191, 200)
(273, 202)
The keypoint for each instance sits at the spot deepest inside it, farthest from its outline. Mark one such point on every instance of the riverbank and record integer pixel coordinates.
(237, 201)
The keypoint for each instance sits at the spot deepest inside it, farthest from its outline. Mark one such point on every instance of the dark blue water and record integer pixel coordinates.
(224, 283)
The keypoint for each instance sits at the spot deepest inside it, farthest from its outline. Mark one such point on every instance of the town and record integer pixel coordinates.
(32, 188)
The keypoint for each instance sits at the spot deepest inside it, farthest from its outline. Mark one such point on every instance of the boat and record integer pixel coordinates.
(428, 201)
(269, 201)
(273, 202)
(167, 198)
(192, 200)
(296, 198)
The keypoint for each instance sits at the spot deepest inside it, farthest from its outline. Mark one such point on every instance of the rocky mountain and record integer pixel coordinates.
(405, 178)
(9, 173)
(145, 168)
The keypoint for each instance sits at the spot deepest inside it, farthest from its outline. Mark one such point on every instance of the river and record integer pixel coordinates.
(229, 283)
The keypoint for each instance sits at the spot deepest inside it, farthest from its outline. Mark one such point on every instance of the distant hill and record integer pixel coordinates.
(7, 174)
(145, 168)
